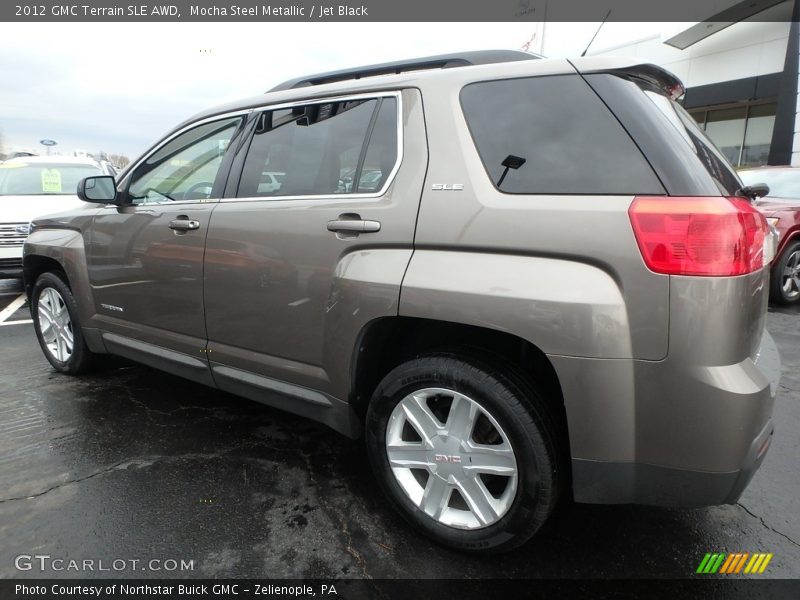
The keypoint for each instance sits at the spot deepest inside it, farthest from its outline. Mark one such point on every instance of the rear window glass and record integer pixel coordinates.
(712, 159)
(553, 135)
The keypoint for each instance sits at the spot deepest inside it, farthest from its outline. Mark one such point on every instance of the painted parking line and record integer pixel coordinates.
(11, 309)
(23, 322)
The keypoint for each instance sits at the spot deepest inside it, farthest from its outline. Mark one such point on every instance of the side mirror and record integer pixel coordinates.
(757, 190)
(101, 189)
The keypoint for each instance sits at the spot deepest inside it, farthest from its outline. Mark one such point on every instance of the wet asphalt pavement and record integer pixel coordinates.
(134, 464)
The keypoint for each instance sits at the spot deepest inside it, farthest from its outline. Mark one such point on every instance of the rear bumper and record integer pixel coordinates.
(598, 482)
(667, 434)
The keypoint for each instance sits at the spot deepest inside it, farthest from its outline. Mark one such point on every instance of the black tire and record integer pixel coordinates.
(81, 359)
(776, 292)
(524, 418)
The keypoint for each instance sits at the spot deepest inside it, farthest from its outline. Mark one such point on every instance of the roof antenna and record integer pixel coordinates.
(596, 32)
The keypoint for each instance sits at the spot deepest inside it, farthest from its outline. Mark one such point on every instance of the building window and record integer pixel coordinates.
(742, 132)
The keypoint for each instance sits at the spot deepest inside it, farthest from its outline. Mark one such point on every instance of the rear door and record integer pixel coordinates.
(312, 241)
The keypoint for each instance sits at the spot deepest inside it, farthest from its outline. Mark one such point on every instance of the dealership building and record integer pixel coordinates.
(740, 78)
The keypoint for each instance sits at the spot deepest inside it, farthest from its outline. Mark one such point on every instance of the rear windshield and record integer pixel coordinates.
(712, 159)
(23, 179)
(553, 135)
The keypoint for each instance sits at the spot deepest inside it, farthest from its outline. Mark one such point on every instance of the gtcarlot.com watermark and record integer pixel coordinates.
(48, 563)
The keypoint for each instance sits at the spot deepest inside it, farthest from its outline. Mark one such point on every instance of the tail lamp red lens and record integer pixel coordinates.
(707, 236)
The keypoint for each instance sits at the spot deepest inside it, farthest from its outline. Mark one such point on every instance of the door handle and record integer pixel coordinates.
(184, 225)
(353, 224)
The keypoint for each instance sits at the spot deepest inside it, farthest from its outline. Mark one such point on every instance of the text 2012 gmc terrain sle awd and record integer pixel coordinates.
(519, 279)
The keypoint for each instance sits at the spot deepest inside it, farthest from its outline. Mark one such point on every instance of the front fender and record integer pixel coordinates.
(67, 248)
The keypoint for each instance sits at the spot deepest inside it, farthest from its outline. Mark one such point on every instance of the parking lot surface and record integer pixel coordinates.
(133, 464)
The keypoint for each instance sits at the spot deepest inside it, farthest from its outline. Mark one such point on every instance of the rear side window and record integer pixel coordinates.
(322, 149)
(553, 135)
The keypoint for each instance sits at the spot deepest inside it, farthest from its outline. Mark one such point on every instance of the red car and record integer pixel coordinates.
(782, 209)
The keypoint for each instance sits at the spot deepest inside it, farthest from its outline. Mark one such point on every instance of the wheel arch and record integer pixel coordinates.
(387, 342)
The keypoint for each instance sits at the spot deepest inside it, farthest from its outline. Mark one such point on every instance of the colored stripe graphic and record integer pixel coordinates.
(732, 558)
(715, 567)
(741, 562)
(703, 563)
(722, 563)
(765, 563)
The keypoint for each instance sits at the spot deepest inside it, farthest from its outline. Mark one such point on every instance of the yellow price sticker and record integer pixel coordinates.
(51, 181)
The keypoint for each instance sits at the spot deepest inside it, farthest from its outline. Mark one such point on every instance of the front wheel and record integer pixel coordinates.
(465, 453)
(55, 319)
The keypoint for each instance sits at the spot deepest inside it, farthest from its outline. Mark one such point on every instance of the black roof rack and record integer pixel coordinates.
(442, 61)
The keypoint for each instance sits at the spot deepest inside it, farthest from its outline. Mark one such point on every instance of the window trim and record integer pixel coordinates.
(129, 172)
(396, 94)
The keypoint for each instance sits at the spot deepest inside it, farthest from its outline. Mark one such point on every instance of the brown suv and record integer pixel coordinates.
(519, 278)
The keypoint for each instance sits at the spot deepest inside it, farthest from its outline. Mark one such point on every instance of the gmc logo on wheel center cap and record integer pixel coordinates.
(447, 458)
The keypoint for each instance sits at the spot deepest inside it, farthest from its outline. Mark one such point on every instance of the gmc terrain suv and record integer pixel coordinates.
(520, 279)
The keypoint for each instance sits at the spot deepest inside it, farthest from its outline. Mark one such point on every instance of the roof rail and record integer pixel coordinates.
(442, 61)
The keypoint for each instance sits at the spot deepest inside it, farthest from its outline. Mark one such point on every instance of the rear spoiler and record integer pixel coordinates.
(650, 74)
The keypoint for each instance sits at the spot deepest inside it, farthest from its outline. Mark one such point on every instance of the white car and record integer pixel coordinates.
(33, 186)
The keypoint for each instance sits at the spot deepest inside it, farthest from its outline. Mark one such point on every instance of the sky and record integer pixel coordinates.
(118, 87)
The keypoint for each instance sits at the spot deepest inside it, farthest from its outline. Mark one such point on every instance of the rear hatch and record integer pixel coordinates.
(704, 234)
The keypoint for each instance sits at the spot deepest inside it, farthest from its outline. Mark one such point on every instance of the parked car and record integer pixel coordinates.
(782, 209)
(554, 291)
(31, 186)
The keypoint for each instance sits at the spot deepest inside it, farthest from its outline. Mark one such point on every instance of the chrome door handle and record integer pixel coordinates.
(354, 226)
(184, 225)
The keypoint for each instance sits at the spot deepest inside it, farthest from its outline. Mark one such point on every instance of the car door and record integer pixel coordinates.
(145, 257)
(301, 254)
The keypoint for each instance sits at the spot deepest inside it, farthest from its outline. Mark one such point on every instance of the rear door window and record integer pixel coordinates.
(322, 149)
(553, 135)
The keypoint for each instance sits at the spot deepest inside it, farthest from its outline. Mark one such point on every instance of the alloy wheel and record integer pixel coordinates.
(55, 324)
(790, 280)
(451, 458)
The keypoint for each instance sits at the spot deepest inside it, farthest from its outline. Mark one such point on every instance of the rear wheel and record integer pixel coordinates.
(55, 319)
(785, 280)
(467, 454)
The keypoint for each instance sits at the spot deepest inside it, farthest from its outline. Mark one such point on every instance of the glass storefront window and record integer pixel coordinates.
(757, 139)
(743, 133)
(726, 128)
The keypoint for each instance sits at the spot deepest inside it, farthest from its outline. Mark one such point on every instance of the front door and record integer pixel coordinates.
(145, 257)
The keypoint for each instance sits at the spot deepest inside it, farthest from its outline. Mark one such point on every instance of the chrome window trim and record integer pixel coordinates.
(129, 171)
(398, 95)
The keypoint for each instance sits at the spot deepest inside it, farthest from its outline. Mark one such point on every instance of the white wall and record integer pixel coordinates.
(741, 50)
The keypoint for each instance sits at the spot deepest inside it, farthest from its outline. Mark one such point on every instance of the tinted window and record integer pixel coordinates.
(713, 160)
(322, 149)
(553, 135)
(185, 168)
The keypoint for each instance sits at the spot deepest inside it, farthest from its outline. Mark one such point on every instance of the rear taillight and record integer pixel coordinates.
(710, 236)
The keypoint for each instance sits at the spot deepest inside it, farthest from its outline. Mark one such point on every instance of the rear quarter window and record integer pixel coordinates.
(553, 135)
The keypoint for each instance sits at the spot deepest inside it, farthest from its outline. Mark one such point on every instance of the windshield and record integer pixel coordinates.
(24, 179)
(783, 183)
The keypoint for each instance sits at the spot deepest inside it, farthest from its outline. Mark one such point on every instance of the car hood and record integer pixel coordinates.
(23, 209)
